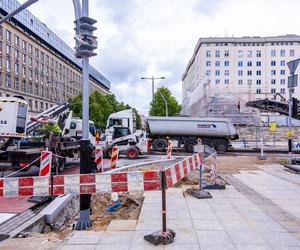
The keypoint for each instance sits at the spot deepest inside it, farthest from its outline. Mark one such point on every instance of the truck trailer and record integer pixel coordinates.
(214, 132)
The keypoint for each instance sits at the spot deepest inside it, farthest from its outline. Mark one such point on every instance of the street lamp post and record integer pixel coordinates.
(166, 104)
(153, 79)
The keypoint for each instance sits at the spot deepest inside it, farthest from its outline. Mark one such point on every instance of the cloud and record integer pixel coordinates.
(144, 38)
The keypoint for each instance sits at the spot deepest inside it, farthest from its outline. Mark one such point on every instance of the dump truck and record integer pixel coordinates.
(214, 132)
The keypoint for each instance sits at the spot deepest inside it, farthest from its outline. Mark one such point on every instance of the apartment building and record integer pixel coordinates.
(37, 64)
(224, 73)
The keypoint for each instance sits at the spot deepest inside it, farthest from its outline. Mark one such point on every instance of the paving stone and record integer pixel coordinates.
(148, 225)
(79, 247)
(251, 247)
(207, 225)
(117, 238)
(224, 215)
(246, 238)
(236, 225)
(121, 225)
(266, 226)
(280, 240)
(175, 246)
(203, 215)
(84, 237)
(213, 238)
(258, 216)
(112, 247)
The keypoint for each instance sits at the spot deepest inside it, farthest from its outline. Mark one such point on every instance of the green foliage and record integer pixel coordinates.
(101, 106)
(158, 107)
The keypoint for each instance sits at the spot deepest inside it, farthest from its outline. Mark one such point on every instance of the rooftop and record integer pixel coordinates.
(48, 37)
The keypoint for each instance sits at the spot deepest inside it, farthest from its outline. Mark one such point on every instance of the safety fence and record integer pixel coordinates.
(134, 181)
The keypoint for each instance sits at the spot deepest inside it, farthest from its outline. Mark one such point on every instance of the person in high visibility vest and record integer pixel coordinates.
(52, 129)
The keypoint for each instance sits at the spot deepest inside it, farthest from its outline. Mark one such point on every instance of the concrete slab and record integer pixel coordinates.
(5, 216)
(117, 238)
(85, 238)
(213, 239)
(209, 225)
(122, 225)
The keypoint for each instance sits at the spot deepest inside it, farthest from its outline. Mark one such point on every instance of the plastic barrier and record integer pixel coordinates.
(114, 157)
(135, 181)
(169, 151)
(46, 162)
(99, 158)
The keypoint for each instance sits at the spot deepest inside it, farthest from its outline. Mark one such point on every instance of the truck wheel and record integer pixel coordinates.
(221, 146)
(159, 145)
(132, 153)
(189, 146)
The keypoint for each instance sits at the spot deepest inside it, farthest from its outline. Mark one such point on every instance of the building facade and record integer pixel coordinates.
(224, 73)
(37, 64)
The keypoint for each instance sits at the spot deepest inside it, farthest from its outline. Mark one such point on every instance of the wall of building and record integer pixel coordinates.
(241, 69)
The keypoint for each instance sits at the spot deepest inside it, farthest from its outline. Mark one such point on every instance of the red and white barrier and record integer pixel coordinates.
(114, 157)
(137, 181)
(46, 161)
(169, 151)
(99, 158)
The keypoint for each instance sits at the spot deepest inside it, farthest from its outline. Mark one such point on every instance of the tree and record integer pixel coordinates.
(100, 107)
(158, 107)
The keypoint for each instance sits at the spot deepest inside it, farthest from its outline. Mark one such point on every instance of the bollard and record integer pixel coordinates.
(114, 157)
(99, 158)
(166, 236)
(261, 156)
(169, 151)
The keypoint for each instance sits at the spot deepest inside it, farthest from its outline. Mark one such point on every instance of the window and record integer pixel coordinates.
(249, 82)
(226, 63)
(249, 72)
(7, 65)
(282, 81)
(240, 53)
(226, 81)
(30, 49)
(240, 82)
(282, 90)
(24, 71)
(17, 41)
(208, 72)
(217, 53)
(36, 89)
(273, 63)
(8, 36)
(258, 82)
(217, 72)
(258, 72)
(258, 53)
(208, 63)
(8, 50)
(273, 53)
(30, 104)
(36, 105)
(273, 91)
(282, 72)
(292, 53)
(16, 69)
(282, 63)
(273, 72)
(240, 63)
(258, 63)
(30, 89)
(249, 53)
(273, 81)
(217, 63)
(240, 72)
(16, 55)
(30, 61)
(30, 74)
(226, 53)
(16, 87)
(24, 58)
(23, 45)
(226, 73)
(7, 81)
(217, 81)
(282, 52)
(23, 85)
(208, 53)
(258, 91)
(249, 63)
(42, 106)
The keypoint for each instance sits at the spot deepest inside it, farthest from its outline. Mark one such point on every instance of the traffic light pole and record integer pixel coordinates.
(290, 142)
(84, 221)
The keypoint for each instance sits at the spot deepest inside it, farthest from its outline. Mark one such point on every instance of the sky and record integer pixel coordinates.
(144, 38)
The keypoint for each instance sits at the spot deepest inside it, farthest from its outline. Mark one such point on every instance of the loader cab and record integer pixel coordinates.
(120, 132)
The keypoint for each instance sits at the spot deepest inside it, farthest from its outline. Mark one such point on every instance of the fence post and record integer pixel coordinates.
(166, 236)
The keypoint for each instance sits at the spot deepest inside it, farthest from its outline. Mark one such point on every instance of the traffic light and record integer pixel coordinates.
(86, 42)
(294, 107)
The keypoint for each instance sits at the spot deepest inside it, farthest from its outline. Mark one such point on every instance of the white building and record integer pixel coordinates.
(224, 73)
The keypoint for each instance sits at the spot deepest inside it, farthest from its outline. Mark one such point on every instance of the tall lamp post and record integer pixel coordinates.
(166, 103)
(153, 79)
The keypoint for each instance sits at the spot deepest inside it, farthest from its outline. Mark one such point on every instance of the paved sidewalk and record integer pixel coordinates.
(260, 210)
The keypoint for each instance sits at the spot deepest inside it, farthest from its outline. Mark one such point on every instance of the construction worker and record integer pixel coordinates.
(52, 129)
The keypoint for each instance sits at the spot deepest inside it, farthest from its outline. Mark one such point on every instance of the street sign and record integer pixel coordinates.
(293, 66)
(292, 81)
